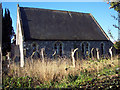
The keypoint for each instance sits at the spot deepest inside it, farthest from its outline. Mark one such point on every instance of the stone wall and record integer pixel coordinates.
(67, 46)
(15, 53)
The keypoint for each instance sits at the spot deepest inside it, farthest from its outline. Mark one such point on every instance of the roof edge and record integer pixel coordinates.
(55, 10)
(31, 39)
(20, 19)
(99, 26)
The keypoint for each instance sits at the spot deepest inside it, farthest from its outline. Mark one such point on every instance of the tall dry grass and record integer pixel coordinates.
(56, 70)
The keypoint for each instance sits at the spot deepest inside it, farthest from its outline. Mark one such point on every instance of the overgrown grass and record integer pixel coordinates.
(61, 74)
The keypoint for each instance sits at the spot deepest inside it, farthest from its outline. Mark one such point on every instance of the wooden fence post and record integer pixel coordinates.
(42, 53)
(98, 56)
(92, 53)
(72, 54)
(32, 56)
(110, 51)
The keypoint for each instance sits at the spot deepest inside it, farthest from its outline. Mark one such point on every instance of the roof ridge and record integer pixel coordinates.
(55, 10)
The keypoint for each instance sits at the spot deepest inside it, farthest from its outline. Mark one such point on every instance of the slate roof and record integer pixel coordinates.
(46, 24)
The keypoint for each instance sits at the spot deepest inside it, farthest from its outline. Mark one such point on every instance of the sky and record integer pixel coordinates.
(53, 0)
(100, 11)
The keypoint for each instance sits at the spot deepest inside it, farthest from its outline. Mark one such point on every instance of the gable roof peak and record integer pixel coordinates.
(17, 5)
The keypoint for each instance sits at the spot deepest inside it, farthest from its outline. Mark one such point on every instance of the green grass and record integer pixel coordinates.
(106, 77)
(103, 79)
(86, 80)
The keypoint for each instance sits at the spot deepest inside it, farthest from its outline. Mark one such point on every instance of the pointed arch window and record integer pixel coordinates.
(85, 48)
(58, 48)
(34, 46)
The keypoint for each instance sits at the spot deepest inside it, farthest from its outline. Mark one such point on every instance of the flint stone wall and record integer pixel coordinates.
(67, 46)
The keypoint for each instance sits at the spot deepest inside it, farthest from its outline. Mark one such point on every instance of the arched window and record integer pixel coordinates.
(35, 54)
(85, 46)
(34, 46)
(58, 48)
(102, 48)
